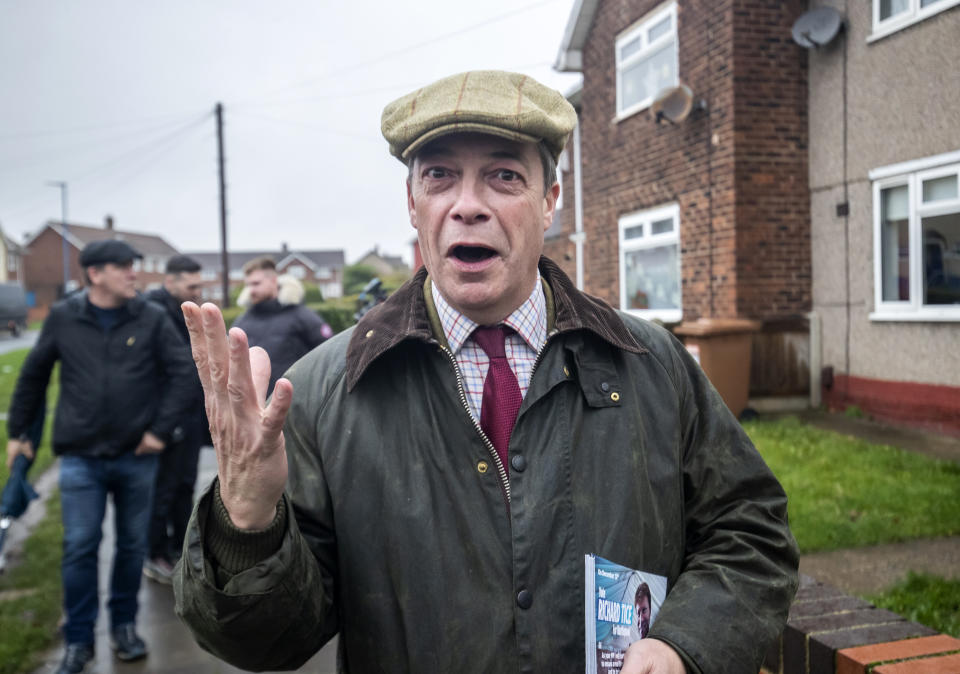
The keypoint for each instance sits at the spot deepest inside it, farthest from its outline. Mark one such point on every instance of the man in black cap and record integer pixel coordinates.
(124, 383)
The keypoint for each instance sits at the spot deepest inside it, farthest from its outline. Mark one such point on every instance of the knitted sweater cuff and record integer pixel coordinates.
(234, 550)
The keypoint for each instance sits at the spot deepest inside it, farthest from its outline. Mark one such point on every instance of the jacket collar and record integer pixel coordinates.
(78, 304)
(409, 314)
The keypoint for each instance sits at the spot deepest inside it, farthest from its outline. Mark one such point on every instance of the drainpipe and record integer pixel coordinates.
(579, 235)
(815, 360)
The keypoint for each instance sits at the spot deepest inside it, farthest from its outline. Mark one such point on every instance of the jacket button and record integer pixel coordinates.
(524, 599)
(566, 371)
(604, 387)
(482, 467)
(518, 463)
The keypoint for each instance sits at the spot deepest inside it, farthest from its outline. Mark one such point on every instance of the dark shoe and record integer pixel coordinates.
(158, 569)
(76, 658)
(127, 645)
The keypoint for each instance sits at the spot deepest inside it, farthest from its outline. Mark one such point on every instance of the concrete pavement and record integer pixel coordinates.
(172, 648)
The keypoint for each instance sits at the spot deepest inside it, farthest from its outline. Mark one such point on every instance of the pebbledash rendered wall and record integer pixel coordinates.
(897, 102)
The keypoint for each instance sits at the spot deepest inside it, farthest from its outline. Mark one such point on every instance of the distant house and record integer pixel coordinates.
(322, 268)
(383, 264)
(707, 214)
(42, 261)
(10, 252)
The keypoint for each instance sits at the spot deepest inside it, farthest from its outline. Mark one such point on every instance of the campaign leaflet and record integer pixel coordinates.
(621, 605)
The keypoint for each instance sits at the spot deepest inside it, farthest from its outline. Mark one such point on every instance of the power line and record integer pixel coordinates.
(403, 50)
(17, 164)
(78, 129)
(308, 125)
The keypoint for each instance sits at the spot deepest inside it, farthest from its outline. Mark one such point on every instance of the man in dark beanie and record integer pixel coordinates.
(124, 382)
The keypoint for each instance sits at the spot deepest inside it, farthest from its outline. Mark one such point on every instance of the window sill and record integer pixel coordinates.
(631, 112)
(923, 316)
(886, 31)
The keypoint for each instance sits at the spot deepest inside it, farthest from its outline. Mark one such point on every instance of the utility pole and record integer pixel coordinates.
(224, 258)
(64, 230)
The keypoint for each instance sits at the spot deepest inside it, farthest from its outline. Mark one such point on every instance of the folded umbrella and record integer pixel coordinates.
(17, 492)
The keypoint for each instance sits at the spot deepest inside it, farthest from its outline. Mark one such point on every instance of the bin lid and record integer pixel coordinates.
(705, 327)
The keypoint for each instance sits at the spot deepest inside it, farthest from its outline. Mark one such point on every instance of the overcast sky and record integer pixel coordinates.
(116, 98)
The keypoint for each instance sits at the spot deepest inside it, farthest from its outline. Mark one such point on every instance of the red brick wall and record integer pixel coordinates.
(751, 148)
(558, 247)
(923, 405)
(42, 266)
(773, 199)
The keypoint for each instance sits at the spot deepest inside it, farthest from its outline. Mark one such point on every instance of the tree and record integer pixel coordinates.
(355, 277)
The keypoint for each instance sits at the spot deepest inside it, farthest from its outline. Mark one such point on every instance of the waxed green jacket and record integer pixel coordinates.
(409, 542)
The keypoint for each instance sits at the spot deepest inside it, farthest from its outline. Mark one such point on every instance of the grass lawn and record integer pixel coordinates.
(30, 593)
(30, 597)
(928, 600)
(847, 493)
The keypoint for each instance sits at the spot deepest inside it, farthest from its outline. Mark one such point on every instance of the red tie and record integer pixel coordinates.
(501, 392)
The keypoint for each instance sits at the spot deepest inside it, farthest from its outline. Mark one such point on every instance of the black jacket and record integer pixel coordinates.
(195, 414)
(114, 385)
(287, 332)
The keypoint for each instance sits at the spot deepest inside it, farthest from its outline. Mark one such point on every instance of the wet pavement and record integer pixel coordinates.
(172, 648)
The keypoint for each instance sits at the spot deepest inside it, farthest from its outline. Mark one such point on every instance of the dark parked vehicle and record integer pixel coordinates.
(13, 308)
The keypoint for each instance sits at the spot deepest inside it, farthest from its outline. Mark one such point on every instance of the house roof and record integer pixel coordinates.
(236, 259)
(394, 261)
(570, 56)
(80, 235)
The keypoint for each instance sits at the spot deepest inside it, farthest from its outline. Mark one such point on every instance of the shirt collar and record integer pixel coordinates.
(529, 320)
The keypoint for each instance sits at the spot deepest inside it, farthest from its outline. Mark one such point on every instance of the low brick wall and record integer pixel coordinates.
(829, 632)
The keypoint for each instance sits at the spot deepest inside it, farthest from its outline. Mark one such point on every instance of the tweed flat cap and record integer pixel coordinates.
(509, 105)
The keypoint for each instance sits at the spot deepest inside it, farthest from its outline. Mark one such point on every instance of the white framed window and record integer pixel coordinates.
(647, 60)
(297, 271)
(650, 263)
(889, 16)
(917, 241)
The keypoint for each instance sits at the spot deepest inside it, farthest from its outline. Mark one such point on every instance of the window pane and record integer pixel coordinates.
(644, 79)
(927, 3)
(890, 8)
(894, 245)
(941, 259)
(630, 48)
(940, 188)
(660, 29)
(635, 232)
(661, 226)
(653, 278)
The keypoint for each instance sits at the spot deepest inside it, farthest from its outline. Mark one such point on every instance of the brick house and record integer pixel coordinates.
(42, 259)
(382, 263)
(709, 216)
(323, 268)
(885, 208)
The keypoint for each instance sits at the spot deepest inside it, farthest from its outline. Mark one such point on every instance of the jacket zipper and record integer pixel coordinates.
(491, 450)
(501, 471)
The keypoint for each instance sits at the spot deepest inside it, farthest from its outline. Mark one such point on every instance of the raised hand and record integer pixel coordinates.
(247, 435)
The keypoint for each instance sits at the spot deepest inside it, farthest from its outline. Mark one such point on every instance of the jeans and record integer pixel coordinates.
(84, 485)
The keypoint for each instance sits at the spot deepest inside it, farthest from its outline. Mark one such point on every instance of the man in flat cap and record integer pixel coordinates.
(429, 483)
(124, 381)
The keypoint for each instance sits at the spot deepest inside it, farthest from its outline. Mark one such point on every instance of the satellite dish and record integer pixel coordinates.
(817, 27)
(675, 104)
